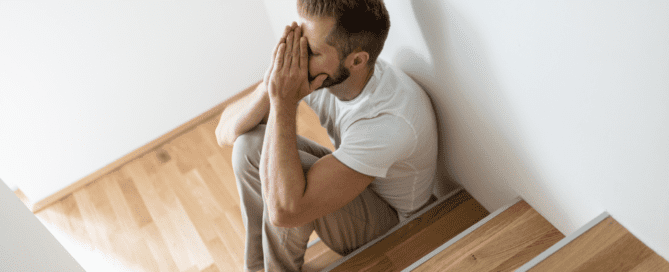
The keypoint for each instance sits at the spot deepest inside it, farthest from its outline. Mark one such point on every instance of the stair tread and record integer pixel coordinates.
(418, 237)
(504, 243)
(319, 256)
(607, 246)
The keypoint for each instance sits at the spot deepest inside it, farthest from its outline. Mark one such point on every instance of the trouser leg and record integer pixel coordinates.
(246, 162)
(357, 223)
(245, 165)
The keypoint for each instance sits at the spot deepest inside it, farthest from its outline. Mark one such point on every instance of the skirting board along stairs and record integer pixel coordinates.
(458, 234)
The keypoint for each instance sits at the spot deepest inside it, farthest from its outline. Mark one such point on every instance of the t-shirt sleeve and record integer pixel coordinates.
(307, 99)
(372, 146)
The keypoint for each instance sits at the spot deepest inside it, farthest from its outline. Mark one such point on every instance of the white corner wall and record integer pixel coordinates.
(85, 83)
(564, 103)
(25, 244)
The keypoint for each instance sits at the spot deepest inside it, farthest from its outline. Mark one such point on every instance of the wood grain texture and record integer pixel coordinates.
(608, 246)
(172, 208)
(504, 243)
(418, 237)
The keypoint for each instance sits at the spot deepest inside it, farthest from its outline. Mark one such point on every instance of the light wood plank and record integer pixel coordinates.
(127, 242)
(504, 243)
(226, 185)
(125, 215)
(231, 240)
(234, 217)
(212, 268)
(186, 227)
(161, 203)
(608, 246)
(98, 235)
(652, 263)
(158, 248)
(222, 257)
(130, 200)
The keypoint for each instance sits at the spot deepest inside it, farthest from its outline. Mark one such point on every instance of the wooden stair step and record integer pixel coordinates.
(319, 256)
(408, 243)
(606, 246)
(504, 243)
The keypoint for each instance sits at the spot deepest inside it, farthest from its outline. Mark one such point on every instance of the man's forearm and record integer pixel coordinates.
(243, 115)
(282, 176)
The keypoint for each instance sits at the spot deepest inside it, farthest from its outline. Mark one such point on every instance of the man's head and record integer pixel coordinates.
(340, 31)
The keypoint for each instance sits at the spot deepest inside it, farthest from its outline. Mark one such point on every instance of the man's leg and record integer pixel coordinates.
(245, 165)
(260, 233)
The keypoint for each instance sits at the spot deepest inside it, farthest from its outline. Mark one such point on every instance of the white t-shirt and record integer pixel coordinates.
(389, 132)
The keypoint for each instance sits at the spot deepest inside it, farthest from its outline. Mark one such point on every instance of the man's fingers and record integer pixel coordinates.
(297, 43)
(304, 55)
(289, 48)
(274, 51)
(318, 81)
(278, 61)
(287, 30)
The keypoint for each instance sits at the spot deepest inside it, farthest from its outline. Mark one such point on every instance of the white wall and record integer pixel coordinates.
(25, 244)
(564, 104)
(84, 83)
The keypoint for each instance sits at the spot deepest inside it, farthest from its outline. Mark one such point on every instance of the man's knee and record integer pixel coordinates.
(247, 148)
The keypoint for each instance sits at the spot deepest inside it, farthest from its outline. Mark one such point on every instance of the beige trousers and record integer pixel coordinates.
(282, 249)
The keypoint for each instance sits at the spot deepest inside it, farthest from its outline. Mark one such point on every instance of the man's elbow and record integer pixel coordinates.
(226, 140)
(224, 137)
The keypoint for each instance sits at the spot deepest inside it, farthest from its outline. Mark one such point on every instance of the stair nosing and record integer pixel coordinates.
(461, 235)
(562, 243)
(312, 243)
(398, 226)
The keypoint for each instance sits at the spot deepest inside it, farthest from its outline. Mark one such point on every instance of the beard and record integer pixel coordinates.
(339, 76)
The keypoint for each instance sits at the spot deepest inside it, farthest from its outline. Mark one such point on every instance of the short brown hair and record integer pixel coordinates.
(359, 25)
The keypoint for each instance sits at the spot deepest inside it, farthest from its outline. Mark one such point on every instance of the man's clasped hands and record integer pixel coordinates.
(287, 77)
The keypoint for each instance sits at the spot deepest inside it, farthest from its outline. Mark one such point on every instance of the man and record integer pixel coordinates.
(381, 122)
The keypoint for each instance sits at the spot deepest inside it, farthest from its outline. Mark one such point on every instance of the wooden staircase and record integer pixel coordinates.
(141, 197)
(458, 234)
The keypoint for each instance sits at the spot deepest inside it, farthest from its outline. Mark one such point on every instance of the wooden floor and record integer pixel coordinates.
(175, 208)
(504, 243)
(608, 246)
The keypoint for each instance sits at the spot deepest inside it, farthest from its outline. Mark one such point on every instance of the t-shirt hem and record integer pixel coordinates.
(358, 166)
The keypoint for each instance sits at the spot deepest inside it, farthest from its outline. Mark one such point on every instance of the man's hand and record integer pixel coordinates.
(282, 40)
(288, 79)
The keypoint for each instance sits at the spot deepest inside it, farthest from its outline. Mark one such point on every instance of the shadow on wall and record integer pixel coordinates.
(479, 144)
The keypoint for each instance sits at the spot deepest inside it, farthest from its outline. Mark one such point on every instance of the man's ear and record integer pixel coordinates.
(359, 59)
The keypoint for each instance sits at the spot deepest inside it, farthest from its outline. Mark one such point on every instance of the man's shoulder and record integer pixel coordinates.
(394, 77)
